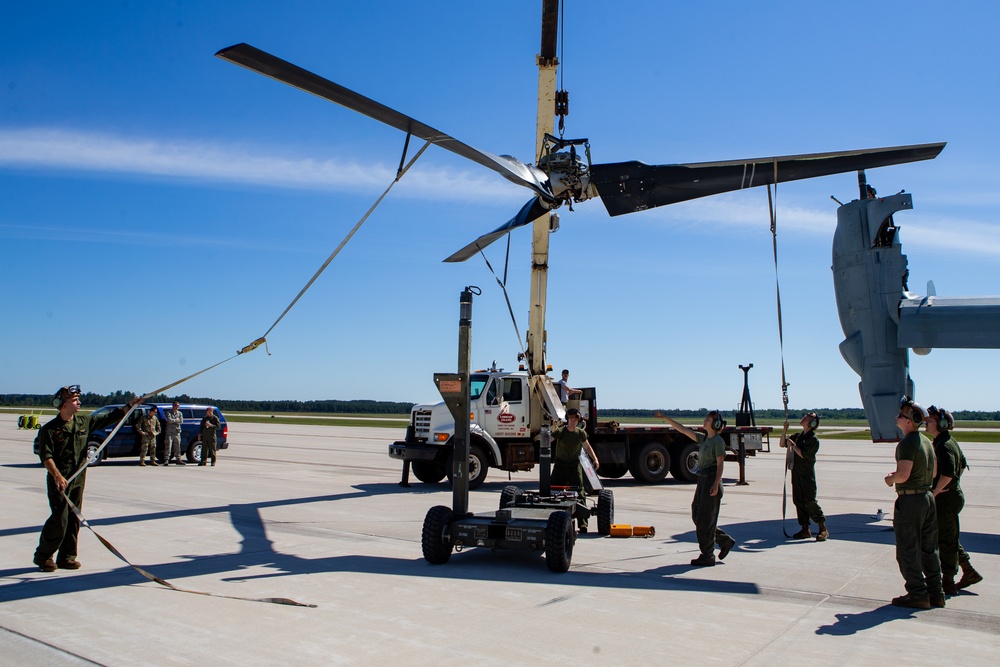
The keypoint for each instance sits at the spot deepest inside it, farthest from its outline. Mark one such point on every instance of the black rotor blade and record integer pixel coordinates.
(531, 211)
(626, 187)
(264, 63)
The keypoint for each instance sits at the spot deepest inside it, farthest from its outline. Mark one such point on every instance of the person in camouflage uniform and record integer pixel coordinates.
(210, 424)
(172, 437)
(949, 500)
(62, 449)
(148, 427)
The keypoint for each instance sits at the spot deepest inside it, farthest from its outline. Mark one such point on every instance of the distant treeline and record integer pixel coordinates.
(91, 400)
(779, 415)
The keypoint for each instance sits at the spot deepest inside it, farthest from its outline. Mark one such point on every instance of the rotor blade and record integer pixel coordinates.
(264, 63)
(626, 187)
(531, 211)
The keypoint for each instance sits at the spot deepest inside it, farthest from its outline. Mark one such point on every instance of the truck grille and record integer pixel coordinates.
(422, 424)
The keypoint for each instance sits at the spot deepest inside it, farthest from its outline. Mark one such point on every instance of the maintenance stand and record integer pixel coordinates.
(543, 521)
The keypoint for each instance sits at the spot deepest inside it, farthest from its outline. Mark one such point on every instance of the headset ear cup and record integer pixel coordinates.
(56, 402)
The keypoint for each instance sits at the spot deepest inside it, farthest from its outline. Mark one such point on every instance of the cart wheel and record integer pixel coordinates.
(559, 538)
(436, 537)
(605, 511)
(20, 421)
(509, 496)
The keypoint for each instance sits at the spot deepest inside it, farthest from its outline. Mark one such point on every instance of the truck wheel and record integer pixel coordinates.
(92, 456)
(509, 496)
(429, 472)
(559, 538)
(194, 452)
(478, 465)
(685, 466)
(612, 470)
(650, 463)
(435, 540)
(605, 511)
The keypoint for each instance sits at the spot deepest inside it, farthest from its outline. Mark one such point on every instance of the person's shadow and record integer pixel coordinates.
(850, 624)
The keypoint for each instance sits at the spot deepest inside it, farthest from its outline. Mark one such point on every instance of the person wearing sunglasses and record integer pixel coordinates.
(914, 519)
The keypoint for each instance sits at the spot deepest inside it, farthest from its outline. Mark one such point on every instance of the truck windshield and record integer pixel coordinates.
(476, 385)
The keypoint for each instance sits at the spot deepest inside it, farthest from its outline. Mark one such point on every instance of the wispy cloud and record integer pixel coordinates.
(78, 151)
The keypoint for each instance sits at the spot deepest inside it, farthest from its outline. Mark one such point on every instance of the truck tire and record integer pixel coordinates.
(605, 511)
(559, 538)
(685, 465)
(509, 496)
(650, 462)
(612, 470)
(435, 539)
(429, 472)
(479, 463)
(194, 452)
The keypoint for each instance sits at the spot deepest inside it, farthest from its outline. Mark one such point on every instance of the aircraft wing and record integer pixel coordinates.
(627, 187)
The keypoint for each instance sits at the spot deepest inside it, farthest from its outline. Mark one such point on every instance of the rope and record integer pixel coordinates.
(503, 287)
(347, 238)
(248, 348)
(789, 454)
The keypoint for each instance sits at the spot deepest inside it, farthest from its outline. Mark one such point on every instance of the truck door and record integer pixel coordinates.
(512, 419)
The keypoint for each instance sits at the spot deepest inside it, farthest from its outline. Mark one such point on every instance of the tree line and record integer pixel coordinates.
(92, 400)
(777, 414)
(361, 406)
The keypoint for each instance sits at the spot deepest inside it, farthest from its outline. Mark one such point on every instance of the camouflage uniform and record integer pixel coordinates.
(209, 426)
(149, 428)
(172, 437)
(65, 442)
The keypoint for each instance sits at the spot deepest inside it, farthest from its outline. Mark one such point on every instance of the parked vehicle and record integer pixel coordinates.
(126, 441)
(501, 437)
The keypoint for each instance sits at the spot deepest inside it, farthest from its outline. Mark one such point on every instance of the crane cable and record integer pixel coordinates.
(248, 348)
(789, 454)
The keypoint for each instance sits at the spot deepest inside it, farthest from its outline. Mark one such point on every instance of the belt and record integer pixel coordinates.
(912, 492)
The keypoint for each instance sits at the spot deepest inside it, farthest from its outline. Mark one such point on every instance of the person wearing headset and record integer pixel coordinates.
(805, 446)
(62, 448)
(569, 441)
(949, 501)
(914, 519)
(708, 492)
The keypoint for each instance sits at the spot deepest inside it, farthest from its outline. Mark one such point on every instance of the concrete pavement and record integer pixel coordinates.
(315, 514)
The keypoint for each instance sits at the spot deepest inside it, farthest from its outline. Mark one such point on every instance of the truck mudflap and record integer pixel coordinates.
(410, 451)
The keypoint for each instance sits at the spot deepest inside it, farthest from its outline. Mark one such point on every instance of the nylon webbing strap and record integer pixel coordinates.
(347, 238)
(503, 286)
(152, 577)
(789, 454)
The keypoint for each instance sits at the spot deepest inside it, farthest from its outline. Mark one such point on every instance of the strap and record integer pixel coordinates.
(789, 455)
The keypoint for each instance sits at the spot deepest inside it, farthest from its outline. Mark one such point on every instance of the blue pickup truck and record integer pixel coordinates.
(126, 441)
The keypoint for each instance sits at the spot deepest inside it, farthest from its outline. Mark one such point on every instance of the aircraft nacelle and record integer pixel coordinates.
(869, 279)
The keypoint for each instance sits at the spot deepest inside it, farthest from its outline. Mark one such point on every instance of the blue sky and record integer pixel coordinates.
(160, 207)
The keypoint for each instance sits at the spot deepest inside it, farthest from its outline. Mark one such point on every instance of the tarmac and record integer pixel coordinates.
(315, 514)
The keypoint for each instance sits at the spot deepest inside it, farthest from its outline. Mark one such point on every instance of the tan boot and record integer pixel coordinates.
(823, 533)
(969, 575)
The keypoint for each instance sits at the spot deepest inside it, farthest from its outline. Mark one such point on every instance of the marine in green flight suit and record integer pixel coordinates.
(62, 449)
(948, 498)
(915, 515)
(570, 440)
(805, 446)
